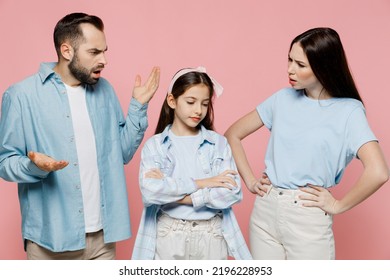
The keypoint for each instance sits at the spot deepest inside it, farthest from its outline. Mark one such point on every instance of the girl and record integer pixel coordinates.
(317, 127)
(188, 179)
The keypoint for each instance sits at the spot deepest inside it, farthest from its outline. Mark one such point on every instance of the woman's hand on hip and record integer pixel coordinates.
(260, 186)
(317, 196)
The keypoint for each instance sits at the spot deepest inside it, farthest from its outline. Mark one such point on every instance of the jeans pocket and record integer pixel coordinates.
(164, 226)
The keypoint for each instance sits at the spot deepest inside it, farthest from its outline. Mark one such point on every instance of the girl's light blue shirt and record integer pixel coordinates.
(215, 156)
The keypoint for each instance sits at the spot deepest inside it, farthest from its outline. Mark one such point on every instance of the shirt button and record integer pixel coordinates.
(78, 187)
(75, 164)
(80, 211)
(280, 193)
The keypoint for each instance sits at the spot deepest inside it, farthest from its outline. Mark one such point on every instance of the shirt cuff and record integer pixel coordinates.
(199, 198)
(137, 108)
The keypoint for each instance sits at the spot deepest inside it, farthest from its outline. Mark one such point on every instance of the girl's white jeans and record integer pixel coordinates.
(190, 239)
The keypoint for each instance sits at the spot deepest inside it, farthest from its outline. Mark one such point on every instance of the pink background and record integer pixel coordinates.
(244, 45)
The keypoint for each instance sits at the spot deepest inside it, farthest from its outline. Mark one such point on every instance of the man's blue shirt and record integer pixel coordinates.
(35, 116)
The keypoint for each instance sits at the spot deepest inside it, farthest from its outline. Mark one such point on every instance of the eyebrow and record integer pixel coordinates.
(194, 98)
(299, 61)
(98, 50)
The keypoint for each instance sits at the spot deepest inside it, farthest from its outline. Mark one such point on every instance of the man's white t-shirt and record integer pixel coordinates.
(86, 154)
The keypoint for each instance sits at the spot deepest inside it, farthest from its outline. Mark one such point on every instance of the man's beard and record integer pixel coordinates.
(81, 73)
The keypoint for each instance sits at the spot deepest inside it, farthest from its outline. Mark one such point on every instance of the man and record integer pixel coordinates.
(64, 140)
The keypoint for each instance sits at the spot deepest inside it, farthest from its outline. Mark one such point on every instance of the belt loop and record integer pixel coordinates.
(295, 195)
(210, 224)
(270, 188)
(182, 224)
(175, 224)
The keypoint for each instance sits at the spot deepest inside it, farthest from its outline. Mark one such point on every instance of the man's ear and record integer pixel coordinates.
(67, 51)
(171, 101)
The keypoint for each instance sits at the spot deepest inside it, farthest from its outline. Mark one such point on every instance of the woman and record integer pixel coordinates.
(317, 127)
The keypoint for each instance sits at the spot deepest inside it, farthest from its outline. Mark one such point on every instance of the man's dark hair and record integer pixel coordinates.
(68, 29)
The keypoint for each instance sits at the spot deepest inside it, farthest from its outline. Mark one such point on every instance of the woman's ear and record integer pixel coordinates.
(171, 101)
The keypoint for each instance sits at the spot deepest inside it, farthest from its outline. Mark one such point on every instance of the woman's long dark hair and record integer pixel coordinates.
(325, 53)
(181, 85)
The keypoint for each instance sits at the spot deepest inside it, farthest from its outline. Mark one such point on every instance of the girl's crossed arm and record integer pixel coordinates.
(223, 190)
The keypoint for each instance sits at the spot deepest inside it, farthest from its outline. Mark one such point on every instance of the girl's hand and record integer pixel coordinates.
(260, 186)
(185, 200)
(223, 180)
(154, 174)
(316, 196)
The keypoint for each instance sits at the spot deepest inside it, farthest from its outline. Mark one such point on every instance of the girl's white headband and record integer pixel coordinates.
(217, 87)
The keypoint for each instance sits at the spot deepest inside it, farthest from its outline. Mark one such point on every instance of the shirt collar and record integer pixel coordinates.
(46, 70)
(206, 136)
